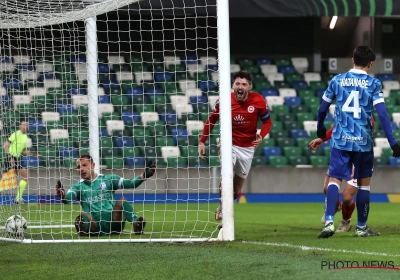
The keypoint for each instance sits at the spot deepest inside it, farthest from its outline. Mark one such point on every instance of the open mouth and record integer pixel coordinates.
(240, 93)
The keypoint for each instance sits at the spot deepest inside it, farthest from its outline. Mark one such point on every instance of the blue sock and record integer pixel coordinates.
(331, 198)
(363, 197)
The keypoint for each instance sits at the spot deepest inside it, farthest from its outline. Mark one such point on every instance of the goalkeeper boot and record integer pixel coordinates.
(139, 225)
(327, 231)
(365, 232)
(20, 201)
(338, 208)
(218, 213)
(344, 226)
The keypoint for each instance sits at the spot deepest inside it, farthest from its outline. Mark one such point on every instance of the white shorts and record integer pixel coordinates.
(241, 159)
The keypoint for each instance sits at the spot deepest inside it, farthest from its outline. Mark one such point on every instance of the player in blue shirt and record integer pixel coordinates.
(356, 94)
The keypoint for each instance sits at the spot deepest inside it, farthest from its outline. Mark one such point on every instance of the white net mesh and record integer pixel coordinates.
(157, 76)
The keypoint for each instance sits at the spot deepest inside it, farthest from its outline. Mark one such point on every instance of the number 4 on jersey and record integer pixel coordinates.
(355, 109)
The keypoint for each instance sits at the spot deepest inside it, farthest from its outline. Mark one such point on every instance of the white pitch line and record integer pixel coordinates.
(307, 248)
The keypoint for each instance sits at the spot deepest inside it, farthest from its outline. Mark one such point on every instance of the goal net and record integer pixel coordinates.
(155, 82)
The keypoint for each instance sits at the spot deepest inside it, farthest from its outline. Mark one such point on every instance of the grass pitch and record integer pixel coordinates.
(273, 241)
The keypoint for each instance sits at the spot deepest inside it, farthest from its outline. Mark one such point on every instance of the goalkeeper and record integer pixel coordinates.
(102, 215)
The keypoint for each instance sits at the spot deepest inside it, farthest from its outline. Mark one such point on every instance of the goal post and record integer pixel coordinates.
(126, 82)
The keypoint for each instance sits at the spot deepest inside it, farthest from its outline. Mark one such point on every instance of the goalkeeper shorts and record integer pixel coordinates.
(106, 225)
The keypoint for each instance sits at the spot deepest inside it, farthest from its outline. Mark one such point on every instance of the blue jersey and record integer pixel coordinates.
(356, 93)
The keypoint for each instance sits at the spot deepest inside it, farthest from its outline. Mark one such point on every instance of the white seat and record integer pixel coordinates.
(386, 92)
(3, 91)
(267, 69)
(143, 76)
(310, 126)
(7, 67)
(79, 99)
(215, 77)
(100, 91)
(274, 100)
(148, 116)
(21, 99)
(300, 64)
(81, 71)
(170, 151)
(124, 76)
(275, 77)
(391, 85)
(194, 125)
(311, 76)
(287, 92)
(377, 151)
(1, 125)
(21, 59)
(194, 68)
(58, 134)
(28, 75)
(332, 109)
(382, 143)
(50, 116)
(178, 99)
(183, 108)
(105, 108)
(212, 100)
(208, 60)
(187, 84)
(116, 59)
(235, 68)
(44, 67)
(193, 92)
(37, 91)
(52, 83)
(114, 125)
(396, 118)
(28, 143)
(171, 60)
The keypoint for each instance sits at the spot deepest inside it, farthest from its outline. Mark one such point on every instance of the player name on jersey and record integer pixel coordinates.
(350, 82)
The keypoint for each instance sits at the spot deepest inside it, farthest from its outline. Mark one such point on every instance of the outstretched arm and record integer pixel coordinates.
(66, 198)
(138, 180)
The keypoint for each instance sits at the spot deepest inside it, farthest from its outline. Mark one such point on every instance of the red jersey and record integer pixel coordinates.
(245, 116)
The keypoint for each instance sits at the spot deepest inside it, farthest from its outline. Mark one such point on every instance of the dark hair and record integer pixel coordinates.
(243, 74)
(22, 120)
(89, 157)
(363, 55)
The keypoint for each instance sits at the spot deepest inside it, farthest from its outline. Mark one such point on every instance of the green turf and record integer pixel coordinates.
(273, 241)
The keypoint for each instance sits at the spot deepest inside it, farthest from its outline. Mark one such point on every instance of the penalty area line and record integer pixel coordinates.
(308, 248)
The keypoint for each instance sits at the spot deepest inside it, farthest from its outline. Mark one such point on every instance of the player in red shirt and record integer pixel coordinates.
(349, 191)
(247, 108)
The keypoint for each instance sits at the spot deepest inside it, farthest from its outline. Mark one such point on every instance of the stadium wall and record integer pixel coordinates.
(174, 181)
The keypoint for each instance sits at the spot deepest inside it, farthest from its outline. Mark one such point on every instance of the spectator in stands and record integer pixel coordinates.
(15, 147)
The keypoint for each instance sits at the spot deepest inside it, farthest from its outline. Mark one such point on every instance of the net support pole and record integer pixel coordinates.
(228, 233)
(91, 60)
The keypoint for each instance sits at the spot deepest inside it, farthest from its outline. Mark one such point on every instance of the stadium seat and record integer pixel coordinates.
(382, 142)
(380, 161)
(58, 134)
(283, 117)
(178, 162)
(290, 125)
(268, 92)
(275, 77)
(272, 151)
(284, 141)
(289, 151)
(297, 85)
(298, 160)
(135, 161)
(299, 109)
(292, 100)
(282, 61)
(394, 161)
(287, 92)
(293, 76)
(274, 100)
(300, 64)
(258, 161)
(113, 162)
(384, 77)
(29, 161)
(263, 61)
(278, 161)
(278, 109)
(268, 69)
(68, 152)
(279, 134)
(319, 161)
(299, 133)
(389, 85)
(178, 134)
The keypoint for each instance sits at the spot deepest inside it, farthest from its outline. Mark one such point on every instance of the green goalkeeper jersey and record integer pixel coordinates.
(98, 195)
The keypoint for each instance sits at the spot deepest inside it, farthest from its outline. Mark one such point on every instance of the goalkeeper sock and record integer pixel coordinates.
(22, 186)
(347, 210)
(363, 198)
(331, 197)
(128, 211)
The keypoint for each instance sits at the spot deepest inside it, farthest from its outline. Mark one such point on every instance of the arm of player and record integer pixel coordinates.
(265, 129)
(66, 198)
(208, 127)
(322, 112)
(387, 128)
(138, 180)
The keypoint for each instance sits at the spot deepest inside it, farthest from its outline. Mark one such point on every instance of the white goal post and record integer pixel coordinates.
(125, 81)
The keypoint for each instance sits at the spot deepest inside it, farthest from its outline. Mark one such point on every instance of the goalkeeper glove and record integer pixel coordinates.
(149, 170)
(321, 133)
(60, 191)
(396, 150)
